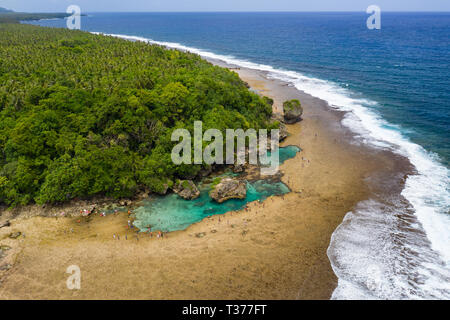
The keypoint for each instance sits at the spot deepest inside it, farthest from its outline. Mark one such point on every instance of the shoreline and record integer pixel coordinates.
(385, 172)
(276, 250)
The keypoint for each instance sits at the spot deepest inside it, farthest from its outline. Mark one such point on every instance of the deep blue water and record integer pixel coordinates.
(404, 67)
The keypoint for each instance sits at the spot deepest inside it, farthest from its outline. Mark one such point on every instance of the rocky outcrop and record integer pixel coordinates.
(279, 119)
(229, 189)
(4, 224)
(186, 189)
(165, 188)
(143, 194)
(283, 132)
(292, 111)
(205, 171)
(200, 235)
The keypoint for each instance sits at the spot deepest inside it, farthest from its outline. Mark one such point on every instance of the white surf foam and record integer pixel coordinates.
(427, 191)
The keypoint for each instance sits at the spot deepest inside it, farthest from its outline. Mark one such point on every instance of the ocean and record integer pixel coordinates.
(393, 82)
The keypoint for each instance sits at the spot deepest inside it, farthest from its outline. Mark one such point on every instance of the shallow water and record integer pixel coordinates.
(172, 213)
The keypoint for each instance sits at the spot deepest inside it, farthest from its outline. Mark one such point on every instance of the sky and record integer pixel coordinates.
(224, 5)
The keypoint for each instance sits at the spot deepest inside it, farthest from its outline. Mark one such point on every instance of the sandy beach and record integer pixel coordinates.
(275, 250)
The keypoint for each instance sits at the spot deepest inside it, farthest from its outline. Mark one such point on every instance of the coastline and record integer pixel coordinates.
(276, 250)
(349, 171)
(390, 244)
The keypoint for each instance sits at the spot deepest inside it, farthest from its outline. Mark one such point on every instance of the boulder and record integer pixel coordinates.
(186, 189)
(238, 168)
(164, 189)
(292, 111)
(279, 119)
(229, 189)
(125, 202)
(205, 171)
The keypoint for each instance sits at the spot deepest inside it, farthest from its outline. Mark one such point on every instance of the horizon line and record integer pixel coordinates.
(258, 11)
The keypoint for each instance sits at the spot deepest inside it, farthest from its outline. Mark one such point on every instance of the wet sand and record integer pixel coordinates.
(275, 250)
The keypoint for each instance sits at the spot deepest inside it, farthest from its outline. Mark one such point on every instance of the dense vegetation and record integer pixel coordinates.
(84, 115)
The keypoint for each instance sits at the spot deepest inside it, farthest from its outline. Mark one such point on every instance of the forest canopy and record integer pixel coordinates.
(84, 115)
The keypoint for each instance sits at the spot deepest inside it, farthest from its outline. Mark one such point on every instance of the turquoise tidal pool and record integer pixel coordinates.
(172, 213)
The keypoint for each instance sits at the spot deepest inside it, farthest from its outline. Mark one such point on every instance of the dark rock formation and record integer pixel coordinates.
(279, 119)
(186, 189)
(292, 111)
(205, 171)
(283, 132)
(165, 188)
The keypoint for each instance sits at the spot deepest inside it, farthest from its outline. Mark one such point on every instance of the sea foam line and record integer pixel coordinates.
(428, 191)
